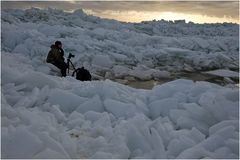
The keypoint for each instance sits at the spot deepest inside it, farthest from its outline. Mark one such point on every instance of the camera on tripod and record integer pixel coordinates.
(71, 55)
(81, 73)
(69, 61)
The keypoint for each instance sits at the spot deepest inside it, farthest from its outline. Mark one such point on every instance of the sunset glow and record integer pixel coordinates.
(133, 16)
(136, 11)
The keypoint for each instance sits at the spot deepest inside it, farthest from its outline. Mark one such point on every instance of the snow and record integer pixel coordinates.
(120, 71)
(47, 116)
(36, 79)
(102, 61)
(48, 154)
(16, 142)
(68, 102)
(223, 124)
(105, 43)
(58, 113)
(119, 109)
(94, 104)
(162, 107)
(144, 73)
(223, 73)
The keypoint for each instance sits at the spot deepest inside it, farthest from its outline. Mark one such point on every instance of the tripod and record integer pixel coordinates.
(81, 73)
(69, 61)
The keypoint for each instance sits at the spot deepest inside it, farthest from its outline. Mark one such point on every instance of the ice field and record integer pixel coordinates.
(47, 116)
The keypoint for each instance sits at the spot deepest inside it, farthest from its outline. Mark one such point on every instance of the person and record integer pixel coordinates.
(55, 57)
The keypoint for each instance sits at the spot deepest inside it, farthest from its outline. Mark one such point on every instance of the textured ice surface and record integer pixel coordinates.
(46, 116)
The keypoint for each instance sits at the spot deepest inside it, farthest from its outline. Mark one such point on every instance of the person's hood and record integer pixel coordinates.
(53, 46)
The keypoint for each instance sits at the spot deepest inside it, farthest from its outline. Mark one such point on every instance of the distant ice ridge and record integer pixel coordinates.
(45, 116)
(111, 49)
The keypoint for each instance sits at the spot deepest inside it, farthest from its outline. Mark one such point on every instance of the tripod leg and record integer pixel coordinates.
(68, 67)
(72, 65)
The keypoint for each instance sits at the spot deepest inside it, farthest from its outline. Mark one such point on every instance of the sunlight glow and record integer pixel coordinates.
(134, 16)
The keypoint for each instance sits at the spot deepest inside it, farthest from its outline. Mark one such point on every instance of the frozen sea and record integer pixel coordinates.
(46, 116)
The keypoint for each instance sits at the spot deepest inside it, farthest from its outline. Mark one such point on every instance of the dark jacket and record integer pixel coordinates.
(55, 55)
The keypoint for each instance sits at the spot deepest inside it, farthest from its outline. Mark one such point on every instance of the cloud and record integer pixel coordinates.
(217, 9)
(208, 8)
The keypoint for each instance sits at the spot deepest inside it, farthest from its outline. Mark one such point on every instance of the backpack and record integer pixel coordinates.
(82, 74)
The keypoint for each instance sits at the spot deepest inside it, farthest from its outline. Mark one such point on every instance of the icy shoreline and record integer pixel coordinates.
(47, 116)
(220, 78)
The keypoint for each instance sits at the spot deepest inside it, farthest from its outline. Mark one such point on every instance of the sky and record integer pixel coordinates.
(137, 11)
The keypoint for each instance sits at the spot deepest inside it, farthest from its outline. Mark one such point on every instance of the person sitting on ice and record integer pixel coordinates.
(55, 57)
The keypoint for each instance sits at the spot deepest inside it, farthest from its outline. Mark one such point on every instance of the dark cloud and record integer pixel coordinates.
(209, 8)
(40, 4)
